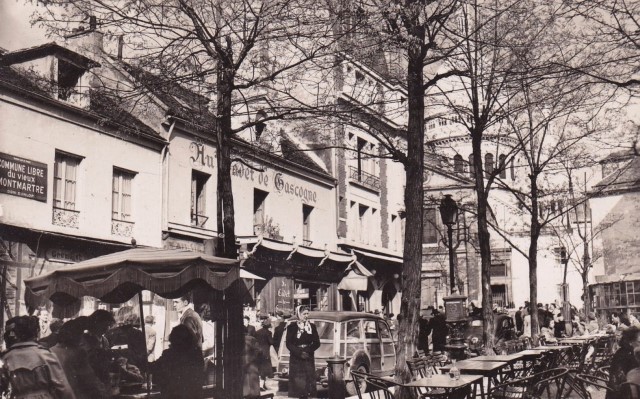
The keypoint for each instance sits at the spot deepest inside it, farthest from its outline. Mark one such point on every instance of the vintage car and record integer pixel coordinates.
(504, 330)
(363, 339)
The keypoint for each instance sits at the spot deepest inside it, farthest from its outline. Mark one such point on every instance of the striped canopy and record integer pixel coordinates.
(117, 277)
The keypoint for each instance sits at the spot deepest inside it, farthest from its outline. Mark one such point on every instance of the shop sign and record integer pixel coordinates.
(64, 255)
(177, 243)
(284, 297)
(301, 293)
(199, 157)
(247, 173)
(23, 177)
(283, 186)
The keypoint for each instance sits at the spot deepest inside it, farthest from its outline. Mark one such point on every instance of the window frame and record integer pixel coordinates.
(199, 197)
(121, 215)
(60, 166)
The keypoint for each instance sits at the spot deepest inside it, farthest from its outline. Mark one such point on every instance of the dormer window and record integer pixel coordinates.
(68, 78)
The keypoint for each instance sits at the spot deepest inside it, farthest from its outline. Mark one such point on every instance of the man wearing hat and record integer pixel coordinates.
(265, 342)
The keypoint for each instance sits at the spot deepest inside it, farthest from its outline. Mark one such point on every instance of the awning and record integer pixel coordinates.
(117, 277)
(249, 275)
(353, 282)
(356, 279)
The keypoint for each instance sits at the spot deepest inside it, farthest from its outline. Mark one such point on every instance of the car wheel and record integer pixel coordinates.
(351, 387)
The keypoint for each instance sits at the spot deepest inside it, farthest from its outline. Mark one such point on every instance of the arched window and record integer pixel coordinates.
(472, 168)
(458, 164)
(512, 165)
(488, 164)
(503, 167)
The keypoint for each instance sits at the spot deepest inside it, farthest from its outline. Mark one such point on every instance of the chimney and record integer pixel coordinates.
(89, 42)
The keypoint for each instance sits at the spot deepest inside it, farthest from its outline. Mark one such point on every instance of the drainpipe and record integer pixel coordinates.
(164, 172)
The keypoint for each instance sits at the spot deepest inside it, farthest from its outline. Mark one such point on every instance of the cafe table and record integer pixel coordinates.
(450, 385)
(490, 370)
(511, 359)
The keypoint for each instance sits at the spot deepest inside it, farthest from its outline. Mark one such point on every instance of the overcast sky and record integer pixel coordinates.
(15, 30)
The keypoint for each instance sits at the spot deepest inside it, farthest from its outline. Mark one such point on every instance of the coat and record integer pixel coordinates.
(34, 373)
(265, 342)
(250, 370)
(192, 320)
(82, 378)
(440, 330)
(180, 373)
(424, 329)
(302, 369)
(136, 352)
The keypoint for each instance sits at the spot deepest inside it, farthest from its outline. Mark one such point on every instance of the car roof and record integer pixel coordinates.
(339, 316)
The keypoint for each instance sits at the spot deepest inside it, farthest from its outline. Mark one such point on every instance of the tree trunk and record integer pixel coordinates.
(414, 197)
(533, 257)
(226, 247)
(484, 242)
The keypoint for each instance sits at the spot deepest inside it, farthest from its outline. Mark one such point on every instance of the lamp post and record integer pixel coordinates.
(566, 311)
(449, 215)
(454, 304)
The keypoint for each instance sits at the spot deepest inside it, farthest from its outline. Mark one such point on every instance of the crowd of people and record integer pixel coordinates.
(94, 356)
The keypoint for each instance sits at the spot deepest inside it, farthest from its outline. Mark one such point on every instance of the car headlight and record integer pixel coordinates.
(475, 340)
(285, 371)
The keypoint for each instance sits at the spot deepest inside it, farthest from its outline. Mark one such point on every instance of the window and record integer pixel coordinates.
(430, 228)
(353, 329)
(581, 214)
(502, 159)
(513, 169)
(488, 164)
(363, 223)
(121, 195)
(198, 198)
(68, 78)
(498, 270)
(458, 164)
(259, 200)
(306, 223)
(472, 168)
(442, 122)
(64, 181)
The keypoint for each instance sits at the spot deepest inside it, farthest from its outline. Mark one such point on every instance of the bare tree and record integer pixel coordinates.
(606, 43)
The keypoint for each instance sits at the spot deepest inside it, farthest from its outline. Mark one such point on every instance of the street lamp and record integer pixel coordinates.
(449, 215)
(566, 311)
(454, 304)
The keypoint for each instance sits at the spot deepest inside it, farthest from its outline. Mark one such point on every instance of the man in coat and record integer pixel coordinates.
(189, 317)
(440, 330)
(424, 330)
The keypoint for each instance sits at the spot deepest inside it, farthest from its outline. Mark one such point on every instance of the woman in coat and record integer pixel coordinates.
(265, 342)
(302, 341)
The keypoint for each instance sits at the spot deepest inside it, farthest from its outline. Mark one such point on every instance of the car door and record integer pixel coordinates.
(372, 342)
(388, 361)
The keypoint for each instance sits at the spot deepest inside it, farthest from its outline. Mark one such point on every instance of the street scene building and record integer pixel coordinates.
(417, 185)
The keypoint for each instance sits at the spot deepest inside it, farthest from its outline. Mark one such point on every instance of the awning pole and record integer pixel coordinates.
(146, 357)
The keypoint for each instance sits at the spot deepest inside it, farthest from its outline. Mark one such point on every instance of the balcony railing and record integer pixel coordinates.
(366, 179)
(198, 220)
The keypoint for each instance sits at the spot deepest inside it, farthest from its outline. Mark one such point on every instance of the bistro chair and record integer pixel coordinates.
(358, 378)
(378, 388)
(581, 383)
(630, 390)
(533, 386)
(420, 368)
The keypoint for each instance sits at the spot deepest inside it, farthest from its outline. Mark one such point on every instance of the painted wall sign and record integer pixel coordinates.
(199, 157)
(282, 185)
(245, 172)
(23, 177)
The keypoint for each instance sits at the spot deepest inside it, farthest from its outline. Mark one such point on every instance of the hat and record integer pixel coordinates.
(266, 323)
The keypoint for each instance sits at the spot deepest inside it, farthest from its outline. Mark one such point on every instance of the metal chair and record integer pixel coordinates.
(378, 388)
(580, 383)
(358, 379)
(421, 368)
(533, 386)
